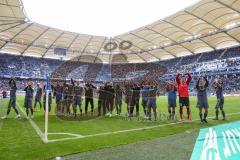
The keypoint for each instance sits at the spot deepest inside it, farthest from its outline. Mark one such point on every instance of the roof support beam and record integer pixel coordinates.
(232, 37)
(13, 18)
(44, 31)
(9, 41)
(3, 45)
(161, 47)
(99, 49)
(177, 27)
(11, 27)
(3, 24)
(212, 25)
(211, 46)
(9, 5)
(74, 39)
(119, 39)
(29, 25)
(188, 33)
(85, 47)
(52, 44)
(230, 7)
(169, 39)
(148, 42)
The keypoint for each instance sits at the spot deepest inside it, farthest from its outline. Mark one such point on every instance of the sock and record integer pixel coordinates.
(120, 109)
(169, 112)
(155, 115)
(31, 111)
(8, 111)
(188, 113)
(216, 114)
(181, 112)
(223, 113)
(200, 115)
(173, 114)
(16, 110)
(205, 115)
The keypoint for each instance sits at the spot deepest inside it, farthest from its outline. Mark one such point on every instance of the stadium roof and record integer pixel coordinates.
(205, 26)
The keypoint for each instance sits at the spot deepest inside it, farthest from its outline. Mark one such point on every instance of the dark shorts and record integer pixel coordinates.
(37, 99)
(183, 101)
(128, 99)
(202, 102)
(28, 103)
(77, 100)
(58, 98)
(118, 101)
(220, 103)
(172, 103)
(12, 102)
(144, 102)
(152, 103)
(134, 101)
(67, 101)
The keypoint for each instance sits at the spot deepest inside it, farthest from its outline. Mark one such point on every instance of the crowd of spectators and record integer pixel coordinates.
(225, 62)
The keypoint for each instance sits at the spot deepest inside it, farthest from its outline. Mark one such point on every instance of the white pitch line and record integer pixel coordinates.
(64, 133)
(33, 124)
(129, 130)
(78, 136)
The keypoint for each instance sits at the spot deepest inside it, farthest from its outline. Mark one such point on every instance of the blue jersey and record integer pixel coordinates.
(144, 91)
(172, 95)
(171, 90)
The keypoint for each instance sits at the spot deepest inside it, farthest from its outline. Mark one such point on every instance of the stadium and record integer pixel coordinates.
(165, 90)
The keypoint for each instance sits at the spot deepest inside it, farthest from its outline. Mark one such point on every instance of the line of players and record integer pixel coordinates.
(69, 95)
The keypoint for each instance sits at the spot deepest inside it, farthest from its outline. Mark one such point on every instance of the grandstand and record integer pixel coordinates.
(202, 40)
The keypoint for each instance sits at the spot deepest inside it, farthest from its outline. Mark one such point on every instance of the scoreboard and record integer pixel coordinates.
(60, 51)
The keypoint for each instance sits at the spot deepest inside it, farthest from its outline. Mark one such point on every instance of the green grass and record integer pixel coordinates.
(19, 140)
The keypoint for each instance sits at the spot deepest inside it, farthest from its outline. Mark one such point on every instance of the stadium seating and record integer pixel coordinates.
(221, 62)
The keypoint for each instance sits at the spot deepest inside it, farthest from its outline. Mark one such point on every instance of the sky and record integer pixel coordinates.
(101, 17)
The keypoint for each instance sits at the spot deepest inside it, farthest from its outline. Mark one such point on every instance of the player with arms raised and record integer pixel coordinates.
(218, 86)
(202, 101)
(183, 84)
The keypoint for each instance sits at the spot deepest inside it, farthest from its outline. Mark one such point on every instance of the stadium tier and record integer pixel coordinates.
(222, 62)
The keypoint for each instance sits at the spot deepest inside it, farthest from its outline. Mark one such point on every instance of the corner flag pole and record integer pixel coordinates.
(47, 91)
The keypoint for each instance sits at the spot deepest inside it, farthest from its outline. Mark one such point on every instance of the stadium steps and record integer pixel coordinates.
(199, 58)
(222, 54)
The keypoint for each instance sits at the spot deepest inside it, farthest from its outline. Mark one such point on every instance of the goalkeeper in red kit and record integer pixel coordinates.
(183, 84)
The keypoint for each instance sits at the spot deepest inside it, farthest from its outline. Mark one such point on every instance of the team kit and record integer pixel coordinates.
(69, 97)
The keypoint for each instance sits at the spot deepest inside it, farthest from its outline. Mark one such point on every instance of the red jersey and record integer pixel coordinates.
(183, 87)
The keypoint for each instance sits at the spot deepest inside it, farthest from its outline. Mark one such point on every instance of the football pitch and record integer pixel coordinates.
(23, 139)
